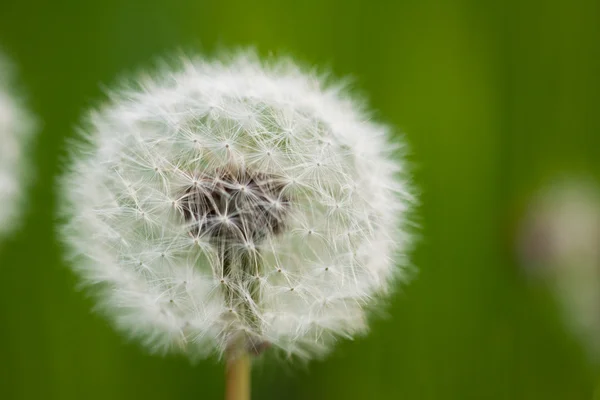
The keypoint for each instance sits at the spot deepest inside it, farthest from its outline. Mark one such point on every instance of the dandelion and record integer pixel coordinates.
(559, 243)
(230, 207)
(15, 131)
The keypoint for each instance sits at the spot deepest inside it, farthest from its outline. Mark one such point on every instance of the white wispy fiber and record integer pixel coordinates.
(16, 128)
(236, 201)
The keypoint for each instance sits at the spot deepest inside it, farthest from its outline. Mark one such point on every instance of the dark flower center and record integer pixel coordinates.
(236, 207)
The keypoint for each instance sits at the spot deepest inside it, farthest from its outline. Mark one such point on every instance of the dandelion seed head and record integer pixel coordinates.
(558, 244)
(16, 127)
(236, 198)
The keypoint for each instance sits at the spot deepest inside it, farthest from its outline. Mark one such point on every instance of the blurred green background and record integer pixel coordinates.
(494, 97)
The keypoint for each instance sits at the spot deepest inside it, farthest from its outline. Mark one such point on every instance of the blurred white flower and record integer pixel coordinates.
(236, 201)
(16, 127)
(560, 243)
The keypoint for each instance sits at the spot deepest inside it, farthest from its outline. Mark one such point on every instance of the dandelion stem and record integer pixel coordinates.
(237, 377)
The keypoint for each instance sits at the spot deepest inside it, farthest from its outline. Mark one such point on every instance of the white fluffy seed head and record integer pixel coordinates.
(15, 132)
(237, 199)
(559, 243)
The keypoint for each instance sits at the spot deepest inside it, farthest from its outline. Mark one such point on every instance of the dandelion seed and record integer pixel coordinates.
(247, 177)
